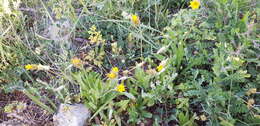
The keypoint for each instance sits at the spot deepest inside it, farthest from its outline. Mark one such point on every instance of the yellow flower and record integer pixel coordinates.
(31, 67)
(111, 75)
(95, 36)
(120, 87)
(76, 62)
(161, 65)
(195, 4)
(159, 68)
(115, 69)
(135, 19)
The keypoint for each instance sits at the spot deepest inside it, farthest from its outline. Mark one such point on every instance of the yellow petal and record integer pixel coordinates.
(135, 19)
(195, 4)
(159, 68)
(31, 67)
(115, 69)
(120, 87)
(111, 75)
(76, 62)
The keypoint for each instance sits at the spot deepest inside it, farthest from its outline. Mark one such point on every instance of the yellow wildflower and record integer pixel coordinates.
(111, 75)
(135, 19)
(95, 36)
(159, 68)
(195, 4)
(115, 69)
(250, 103)
(120, 87)
(161, 65)
(76, 62)
(251, 91)
(31, 67)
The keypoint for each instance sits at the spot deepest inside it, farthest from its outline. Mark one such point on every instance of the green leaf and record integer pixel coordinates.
(91, 105)
(147, 114)
(38, 102)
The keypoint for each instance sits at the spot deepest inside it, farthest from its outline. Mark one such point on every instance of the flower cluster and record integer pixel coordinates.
(95, 36)
(96, 54)
(113, 73)
(76, 62)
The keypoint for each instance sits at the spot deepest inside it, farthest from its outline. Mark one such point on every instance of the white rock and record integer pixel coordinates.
(71, 115)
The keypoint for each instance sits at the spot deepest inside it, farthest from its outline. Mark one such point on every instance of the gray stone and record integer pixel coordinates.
(71, 115)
